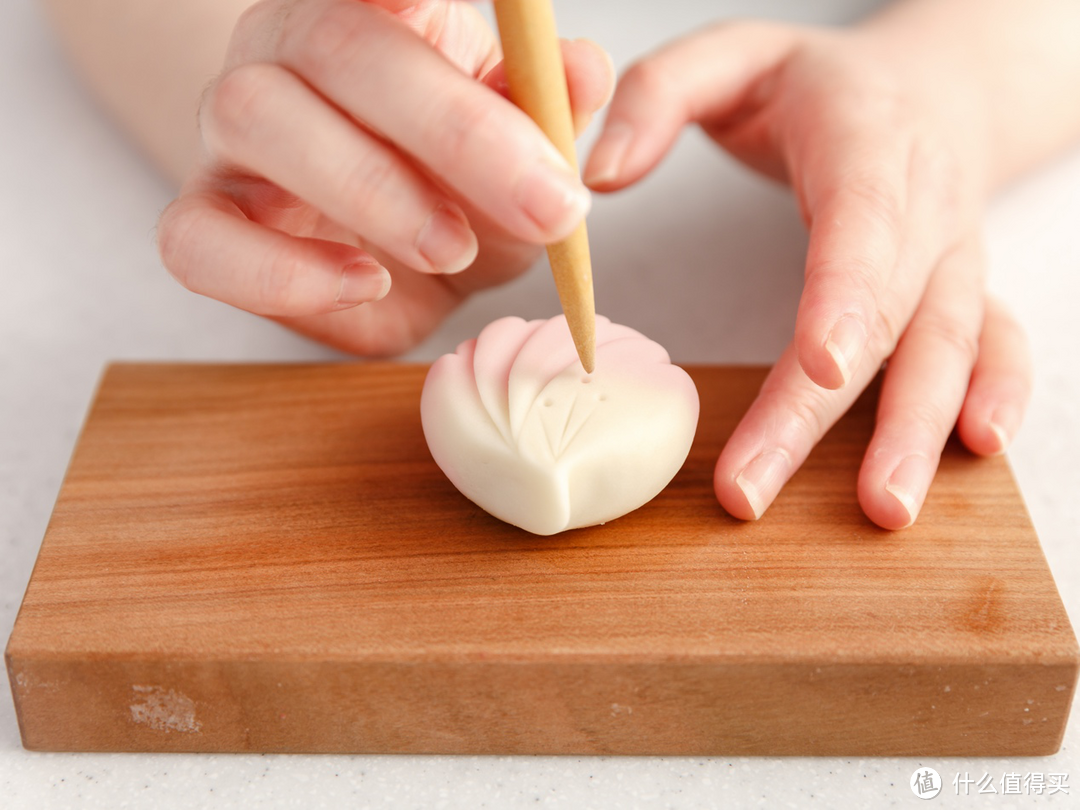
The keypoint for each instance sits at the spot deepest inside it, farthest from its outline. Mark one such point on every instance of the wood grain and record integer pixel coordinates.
(536, 79)
(265, 558)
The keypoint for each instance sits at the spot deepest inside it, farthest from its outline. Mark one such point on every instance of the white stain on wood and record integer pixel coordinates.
(164, 709)
(26, 681)
(618, 709)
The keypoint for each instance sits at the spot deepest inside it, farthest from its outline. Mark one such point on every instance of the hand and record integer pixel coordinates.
(887, 157)
(347, 144)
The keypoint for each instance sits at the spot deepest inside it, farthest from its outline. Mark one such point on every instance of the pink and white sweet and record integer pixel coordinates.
(522, 431)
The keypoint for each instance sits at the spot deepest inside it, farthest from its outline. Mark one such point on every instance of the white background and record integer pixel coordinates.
(702, 257)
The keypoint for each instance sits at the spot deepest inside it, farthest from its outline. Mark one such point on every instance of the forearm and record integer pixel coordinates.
(148, 61)
(1014, 67)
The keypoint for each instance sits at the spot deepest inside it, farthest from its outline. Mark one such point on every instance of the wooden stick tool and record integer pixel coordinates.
(537, 80)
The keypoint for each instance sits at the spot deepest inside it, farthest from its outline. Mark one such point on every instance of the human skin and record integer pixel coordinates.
(350, 152)
(891, 133)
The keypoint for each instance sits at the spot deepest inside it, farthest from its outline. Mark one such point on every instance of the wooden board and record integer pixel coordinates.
(265, 558)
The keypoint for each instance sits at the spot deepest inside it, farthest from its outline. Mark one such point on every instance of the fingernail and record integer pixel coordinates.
(1001, 436)
(909, 483)
(761, 479)
(553, 197)
(1004, 423)
(447, 241)
(845, 345)
(609, 154)
(362, 282)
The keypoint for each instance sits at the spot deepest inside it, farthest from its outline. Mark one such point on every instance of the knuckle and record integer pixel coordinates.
(878, 96)
(930, 418)
(336, 35)
(739, 27)
(951, 335)
(465, 120)
(278, 284)
(806, 413)
(939, 162)
(884, 101)
(758, 31)
(649, 79)
(857, 276)
(879, 201)
(940, 175)
(238, 100)
(365, 183)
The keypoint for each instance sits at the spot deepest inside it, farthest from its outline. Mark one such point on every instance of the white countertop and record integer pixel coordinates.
(721, 249)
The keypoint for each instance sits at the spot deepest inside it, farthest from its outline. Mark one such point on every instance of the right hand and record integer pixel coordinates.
(347, 143)
(886, 151)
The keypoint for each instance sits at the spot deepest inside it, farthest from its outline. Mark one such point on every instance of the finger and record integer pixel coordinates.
(1000, 384)
(883, 206)
(792, 412)
(925, 383)
(457, 29)
(702, 77)
(410, 312)
(407, 5)
(789, 416)
(398, 5)
(264, 119)
(367, 62)
(854, 184)
(208, 245)
(590, 78)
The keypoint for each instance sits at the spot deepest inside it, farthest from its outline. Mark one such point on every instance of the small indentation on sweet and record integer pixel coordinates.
(508, 420)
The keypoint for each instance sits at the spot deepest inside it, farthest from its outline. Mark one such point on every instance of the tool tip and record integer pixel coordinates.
(586, 352)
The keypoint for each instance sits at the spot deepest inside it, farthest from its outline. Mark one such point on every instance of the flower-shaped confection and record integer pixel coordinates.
(519, 427)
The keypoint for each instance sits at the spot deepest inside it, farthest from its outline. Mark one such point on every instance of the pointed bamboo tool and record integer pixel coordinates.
(537, 80)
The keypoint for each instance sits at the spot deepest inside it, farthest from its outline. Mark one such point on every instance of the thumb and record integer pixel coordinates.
(705, 77)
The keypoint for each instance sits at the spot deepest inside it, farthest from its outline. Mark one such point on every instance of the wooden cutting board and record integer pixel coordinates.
(265, 558)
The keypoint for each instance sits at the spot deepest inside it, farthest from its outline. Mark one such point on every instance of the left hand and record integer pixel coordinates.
(888, 160)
